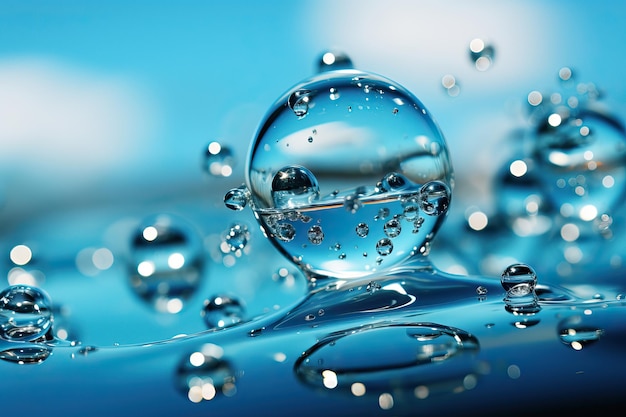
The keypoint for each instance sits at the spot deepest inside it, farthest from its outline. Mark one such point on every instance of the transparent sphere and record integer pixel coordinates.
(519, 280)
(165, 262)
(349, 175)
(582, 157)
(25, 313)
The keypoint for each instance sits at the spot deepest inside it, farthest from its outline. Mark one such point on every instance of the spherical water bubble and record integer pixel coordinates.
(294, 186)
(375, 147)
(519, 280)
(25, 313)
(223, 311)
(237, 237)
(435, 198)
(582, 157)
(218, 160)
(237, 198)
(334, 60)
(166, 261)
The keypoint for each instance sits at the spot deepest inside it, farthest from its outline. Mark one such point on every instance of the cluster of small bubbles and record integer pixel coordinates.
(205, 373)
(481, 54)
(334, 60)
(25, 314)
(166, 260)
(222, 311)
(450, 85)
(294, 186)
(237, 198)
(218, 160)
(237, 237)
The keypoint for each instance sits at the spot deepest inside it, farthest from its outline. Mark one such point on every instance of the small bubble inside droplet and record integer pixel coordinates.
(315, 234)
(222, 311)
(434, 198)
(294, 186)
(299, 102)
(362, 230)
(237, 198)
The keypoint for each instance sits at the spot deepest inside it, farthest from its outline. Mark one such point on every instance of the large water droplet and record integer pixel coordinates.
(25, 313)
(30, 354)
(519, 280)
(294, 186)
(165, 262)
(223, 311)
(374, 148)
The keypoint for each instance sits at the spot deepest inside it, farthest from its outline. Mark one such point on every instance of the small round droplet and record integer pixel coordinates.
(362, 229)
(393, 228)
(394, 181)
(237, 198)
(25, 313)
(519, 280)
(237, 237)
(384, 247)
(294, 186)
(222, 311)
(480, 290)
(315, 235)
(334, 60)
(166, 262)
(434, 198)
(299, 102)
(218, 160)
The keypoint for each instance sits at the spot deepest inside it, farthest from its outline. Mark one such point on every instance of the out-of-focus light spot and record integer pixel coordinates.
(478, 220)
(176, 260)
(554, 119)
(146, 268)
(102, 259)
(62, 334)
(513, 371)
(535, 98)
(576, 345)
(422, 392)
(208, 391)
(584, 131)
(532, 205)
(470, 381)
(566, 210)
(588, 155)
(229, 261)
(328, 58)
(357, 389)
(18, 275)
(385, 401)
(150, 233)
(196, 359)
(518, 168)
(477, 45)
(175, 305)
(570, 232)
(565, 73)
(226, 171)
(329, 379)
(195, 394)
(21, 255)
(214, 148)
(608, 181)
(483, 63)
(579, 190)
(587, 312)
(573, 254)
(280, 357)
(588, 212)
(448, 81)
(555, 98)
(559, 158)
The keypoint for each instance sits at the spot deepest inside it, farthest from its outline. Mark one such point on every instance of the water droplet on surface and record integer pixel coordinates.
(205, 373)
(165, 262)
(360, 355)
(574, 332)
(299, 102)
(237, 198)
(519, 280)
(368, 161)
(25, 313)
(222, 311)
(294, 186)
(334, 60)
(31, 354)
(218, 160)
